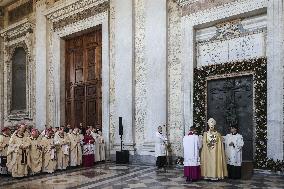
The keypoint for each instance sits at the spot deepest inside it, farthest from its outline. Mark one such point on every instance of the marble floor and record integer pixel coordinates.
(112, 176)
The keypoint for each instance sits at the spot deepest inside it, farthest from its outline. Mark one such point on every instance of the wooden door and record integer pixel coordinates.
(83, 79)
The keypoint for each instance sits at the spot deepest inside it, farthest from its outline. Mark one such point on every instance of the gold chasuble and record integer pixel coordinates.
(35, 155)
(49, 154)
(75, 149)
(4, 143)
(213, 161)
(17, 154)
(62, 143)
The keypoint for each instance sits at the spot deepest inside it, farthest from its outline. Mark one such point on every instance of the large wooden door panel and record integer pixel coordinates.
(83, 79)
(91, 111)
(79, 112)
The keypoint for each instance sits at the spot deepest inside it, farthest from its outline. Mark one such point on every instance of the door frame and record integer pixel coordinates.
(56, 71)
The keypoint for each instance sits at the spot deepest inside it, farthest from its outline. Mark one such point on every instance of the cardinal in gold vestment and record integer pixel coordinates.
(213, 161)
(49, 152)
(62, 143)
(35, 155)
(75, 148)
(17, 153)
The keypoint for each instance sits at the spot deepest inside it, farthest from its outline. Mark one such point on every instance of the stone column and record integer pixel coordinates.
(41, 62)
(188, 60)
(156, 74)
(124, 70)
(275, 73)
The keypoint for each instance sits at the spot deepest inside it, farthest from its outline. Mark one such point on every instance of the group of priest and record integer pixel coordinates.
(29, 152)
(210, 157)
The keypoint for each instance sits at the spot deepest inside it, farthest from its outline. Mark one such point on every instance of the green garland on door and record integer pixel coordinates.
(257, 67)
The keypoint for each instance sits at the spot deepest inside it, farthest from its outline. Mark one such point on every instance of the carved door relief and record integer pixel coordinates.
(83, 79)
(230, 102)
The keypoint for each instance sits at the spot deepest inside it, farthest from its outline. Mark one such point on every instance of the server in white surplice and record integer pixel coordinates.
(160, 148)
(233, 148)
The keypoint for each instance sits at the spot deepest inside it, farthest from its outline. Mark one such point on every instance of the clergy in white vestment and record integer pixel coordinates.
(160, 148)
(95, 136)
(4, 143)
(233, 148)
(62, 142)
(191, 147)
(75, 148)
(100, 147)
(44, 132)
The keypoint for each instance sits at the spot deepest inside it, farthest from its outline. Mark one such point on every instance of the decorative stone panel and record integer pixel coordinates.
(231, 41)
(112, 101)
(140, 73)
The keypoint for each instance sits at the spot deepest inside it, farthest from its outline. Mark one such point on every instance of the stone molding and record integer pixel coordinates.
(80, 25)
(18, 35)
(81, 15)
(73, 7)
(73, 13)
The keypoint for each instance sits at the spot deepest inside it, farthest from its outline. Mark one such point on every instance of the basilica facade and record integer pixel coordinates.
(170, 63)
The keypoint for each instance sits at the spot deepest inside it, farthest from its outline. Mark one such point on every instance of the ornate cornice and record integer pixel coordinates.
(73, 7)
(81, 15)
(17, 30)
